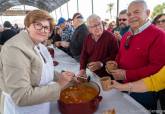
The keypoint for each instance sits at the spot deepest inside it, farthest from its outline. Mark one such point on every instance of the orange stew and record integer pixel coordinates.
(78, 94)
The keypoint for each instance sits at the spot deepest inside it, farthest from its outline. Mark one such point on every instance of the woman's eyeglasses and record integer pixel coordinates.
(160, 21)
(39, 26)
(127, 42)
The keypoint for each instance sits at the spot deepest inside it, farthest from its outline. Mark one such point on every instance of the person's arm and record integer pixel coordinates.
(81, 73)
(137, 86)
(154, 82)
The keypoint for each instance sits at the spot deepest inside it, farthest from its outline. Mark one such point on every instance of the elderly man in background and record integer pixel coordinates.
(99, 47)
(141, 52)
(78, 36)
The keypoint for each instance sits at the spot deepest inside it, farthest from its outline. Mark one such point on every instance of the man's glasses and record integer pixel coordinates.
(160, 21)
(127, 42)
(39, 26)
(96, 25)
(122, 19)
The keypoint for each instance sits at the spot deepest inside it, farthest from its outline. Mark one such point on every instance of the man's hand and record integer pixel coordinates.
(117, 35)
(65, 44)
(119, 74)
(82, 73)
(111, 65)
(93, 66)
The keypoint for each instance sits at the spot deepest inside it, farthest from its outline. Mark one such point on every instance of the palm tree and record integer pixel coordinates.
(110, 7)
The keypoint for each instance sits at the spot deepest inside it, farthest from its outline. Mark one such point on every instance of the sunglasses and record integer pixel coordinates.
(160, 21)
(127, 42)
(122, 19)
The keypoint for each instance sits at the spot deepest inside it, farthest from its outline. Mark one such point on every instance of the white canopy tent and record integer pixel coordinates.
(48, 5)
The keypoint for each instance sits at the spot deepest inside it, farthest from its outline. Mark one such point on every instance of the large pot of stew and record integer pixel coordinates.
(79, 98)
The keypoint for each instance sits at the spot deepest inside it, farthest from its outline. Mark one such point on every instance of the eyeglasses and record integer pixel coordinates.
(160, 21)
(96, 25)
(39, 26)
(127, 42)
(122, 19)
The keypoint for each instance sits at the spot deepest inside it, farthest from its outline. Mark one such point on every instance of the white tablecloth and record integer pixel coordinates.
(66, 62)
(122, 102)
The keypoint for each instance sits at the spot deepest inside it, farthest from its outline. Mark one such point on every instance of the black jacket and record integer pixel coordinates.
(6, 35)
(77, 39)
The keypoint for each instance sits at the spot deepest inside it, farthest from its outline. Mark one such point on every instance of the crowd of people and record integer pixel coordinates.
(135, 45)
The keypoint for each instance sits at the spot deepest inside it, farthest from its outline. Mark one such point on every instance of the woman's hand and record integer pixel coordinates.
(65, 78)
(119, 86)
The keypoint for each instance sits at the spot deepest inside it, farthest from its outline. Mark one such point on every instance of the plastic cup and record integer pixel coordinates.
(105, 83)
